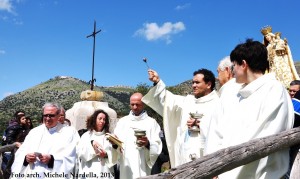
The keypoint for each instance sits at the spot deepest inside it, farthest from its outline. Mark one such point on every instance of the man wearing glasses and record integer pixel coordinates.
(48, 150)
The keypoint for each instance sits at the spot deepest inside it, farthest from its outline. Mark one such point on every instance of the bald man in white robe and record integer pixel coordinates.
(137, 160)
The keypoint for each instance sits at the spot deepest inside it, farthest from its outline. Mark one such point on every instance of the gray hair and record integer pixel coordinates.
(62, 109)
(225, 62)
(52, 104)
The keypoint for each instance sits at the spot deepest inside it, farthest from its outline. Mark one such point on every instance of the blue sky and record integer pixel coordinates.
(41, 39)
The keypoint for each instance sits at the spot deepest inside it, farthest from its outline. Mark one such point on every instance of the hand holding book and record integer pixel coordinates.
(113, 139)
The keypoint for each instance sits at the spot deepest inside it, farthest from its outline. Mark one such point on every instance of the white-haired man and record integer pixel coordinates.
(225, 73)
(48, 150)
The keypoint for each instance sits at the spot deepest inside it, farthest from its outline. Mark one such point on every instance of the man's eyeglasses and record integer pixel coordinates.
(49, 115)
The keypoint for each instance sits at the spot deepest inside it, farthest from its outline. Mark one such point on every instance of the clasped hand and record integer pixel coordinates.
(192, 122)
(44, 158)
(99, 150)
(142, 141)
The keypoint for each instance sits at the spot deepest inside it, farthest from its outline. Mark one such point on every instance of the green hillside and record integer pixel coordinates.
(67, 90)
(64, 90)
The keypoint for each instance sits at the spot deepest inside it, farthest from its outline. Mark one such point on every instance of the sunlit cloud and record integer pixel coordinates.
(181, 7)
(153, 32)
(6, 5)
(2, 51)
(11, 15)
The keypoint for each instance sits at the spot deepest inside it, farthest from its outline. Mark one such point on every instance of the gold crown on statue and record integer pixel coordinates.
(266, 29)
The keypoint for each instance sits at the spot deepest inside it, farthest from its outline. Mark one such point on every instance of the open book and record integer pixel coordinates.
(114, 139)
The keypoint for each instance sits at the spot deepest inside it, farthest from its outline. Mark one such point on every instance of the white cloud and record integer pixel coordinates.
(181, 7)
(2, 51)
(152, 32)
(6, 5)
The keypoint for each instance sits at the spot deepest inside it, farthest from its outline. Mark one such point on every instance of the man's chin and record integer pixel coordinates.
(48, 125)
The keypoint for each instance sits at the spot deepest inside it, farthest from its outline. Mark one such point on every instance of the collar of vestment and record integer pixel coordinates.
(142, 116)
(228, 83)
(211, 96)
(248, 89)
(98, 133)
(55, 128)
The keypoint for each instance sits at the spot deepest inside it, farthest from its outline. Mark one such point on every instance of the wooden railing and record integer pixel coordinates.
(6, 148)
(229, 158)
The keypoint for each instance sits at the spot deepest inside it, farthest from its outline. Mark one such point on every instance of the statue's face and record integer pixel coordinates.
(269, 37)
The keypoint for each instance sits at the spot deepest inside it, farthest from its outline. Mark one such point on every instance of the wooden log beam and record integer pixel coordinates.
(229, 158)
(7, 148)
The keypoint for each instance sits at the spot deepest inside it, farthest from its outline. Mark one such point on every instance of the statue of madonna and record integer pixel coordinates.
(279, 56)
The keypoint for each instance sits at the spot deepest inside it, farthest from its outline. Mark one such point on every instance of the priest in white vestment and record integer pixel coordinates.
(94, 150)
(259, 108)
(184, 145)
(138, 155)
(225, 73)
(48, 150)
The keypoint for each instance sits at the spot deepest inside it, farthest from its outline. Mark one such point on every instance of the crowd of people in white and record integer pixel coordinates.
(250, 103)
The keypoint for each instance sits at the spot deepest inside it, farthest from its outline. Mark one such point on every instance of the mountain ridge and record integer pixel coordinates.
(66, 91)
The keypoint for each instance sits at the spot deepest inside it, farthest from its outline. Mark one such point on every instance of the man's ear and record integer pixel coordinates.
(244, 64)
(228, 70)
(209, 85)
